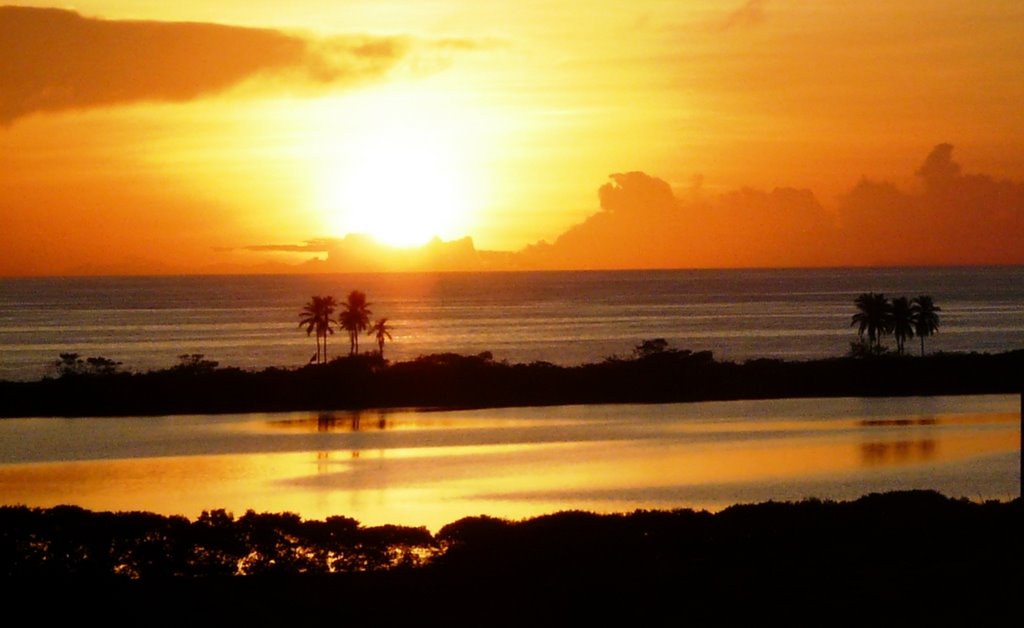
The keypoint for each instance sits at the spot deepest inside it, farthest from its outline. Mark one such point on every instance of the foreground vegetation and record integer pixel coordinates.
(656, 373)
(884, 555)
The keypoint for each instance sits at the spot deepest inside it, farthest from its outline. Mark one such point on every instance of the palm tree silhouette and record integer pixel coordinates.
(925, 316)
(308, 318)
(326, 324)
(355, 318)
(382, 331)
(901, 322)
(316, 316)
(873, 316)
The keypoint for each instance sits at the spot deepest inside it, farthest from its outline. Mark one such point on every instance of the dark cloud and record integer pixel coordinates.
(750, 14)
(54, 60)
(631, 190)
(321, 245)
(955, 219)
(357, 252)
(644, 224)
(939, 169)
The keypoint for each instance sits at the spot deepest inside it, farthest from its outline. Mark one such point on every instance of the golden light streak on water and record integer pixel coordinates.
(436, 484)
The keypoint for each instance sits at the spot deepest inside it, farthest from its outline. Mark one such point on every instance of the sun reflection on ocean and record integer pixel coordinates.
(416, 468)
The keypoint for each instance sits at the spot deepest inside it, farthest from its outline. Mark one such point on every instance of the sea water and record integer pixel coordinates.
(560, 317)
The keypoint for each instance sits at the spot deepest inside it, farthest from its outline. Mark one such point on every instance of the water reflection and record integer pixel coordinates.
(927, 420)
(899, 452)
(418, 468)
(354, 421)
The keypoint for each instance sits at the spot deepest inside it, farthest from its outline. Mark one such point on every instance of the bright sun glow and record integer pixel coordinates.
(398, 167)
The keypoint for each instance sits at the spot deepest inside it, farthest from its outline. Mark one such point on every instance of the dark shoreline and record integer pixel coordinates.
(913, 555)
(457, 381)
(884, 558)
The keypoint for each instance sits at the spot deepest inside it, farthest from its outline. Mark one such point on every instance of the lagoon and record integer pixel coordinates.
(428, 468)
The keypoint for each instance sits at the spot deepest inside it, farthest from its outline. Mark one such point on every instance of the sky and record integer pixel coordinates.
(142, 137)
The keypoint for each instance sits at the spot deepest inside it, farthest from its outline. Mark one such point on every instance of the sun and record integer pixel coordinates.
(399, 170)
(403, 189)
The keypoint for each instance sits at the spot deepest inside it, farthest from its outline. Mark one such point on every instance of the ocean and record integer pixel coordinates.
(560, 317)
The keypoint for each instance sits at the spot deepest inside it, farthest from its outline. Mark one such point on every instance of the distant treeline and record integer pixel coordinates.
(451, 380)
(879, 556)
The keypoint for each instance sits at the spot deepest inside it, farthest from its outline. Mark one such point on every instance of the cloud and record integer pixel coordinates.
(321, 245)
(939, 170)
(636, 191)
(955, 219)
(750, 14)
(55, 60)
(644, 224)
(358, 252)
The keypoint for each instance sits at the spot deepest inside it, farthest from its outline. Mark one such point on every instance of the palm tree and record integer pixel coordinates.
(925, 316)
(325, 325)
(873, 316)
(355, 318)
(316, 316)
(308, 318)
(382, 331)
(901, 322)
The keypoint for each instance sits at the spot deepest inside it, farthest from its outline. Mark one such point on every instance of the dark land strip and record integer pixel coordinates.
(458, 381)
(882, 559)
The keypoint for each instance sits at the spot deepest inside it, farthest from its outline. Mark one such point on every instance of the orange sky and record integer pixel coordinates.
(151, 137)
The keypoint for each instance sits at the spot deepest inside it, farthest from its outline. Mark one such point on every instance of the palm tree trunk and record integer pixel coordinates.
(922, 346)
(325, 347)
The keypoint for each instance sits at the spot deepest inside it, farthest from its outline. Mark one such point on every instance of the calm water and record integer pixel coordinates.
(431, 468)
(566, 318)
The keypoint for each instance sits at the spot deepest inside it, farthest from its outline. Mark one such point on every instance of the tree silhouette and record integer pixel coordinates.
(316, 317)
(901, 322)
(355, 318)
(326, 323)
(925, 316)
(382, 331)
(873, 316)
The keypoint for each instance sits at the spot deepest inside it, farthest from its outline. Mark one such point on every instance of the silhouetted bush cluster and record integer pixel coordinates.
(654, 374)
(917, 530)
(71, 541)
(895, 558)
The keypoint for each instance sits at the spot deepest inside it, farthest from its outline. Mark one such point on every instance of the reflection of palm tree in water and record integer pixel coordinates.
(329, 422)
(898, 451)
(325, 422)
(323, 459)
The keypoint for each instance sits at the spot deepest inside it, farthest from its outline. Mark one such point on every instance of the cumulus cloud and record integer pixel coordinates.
(939, 168)
(55, 60)
(631, 190)
(955, 218)
(644, 224)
